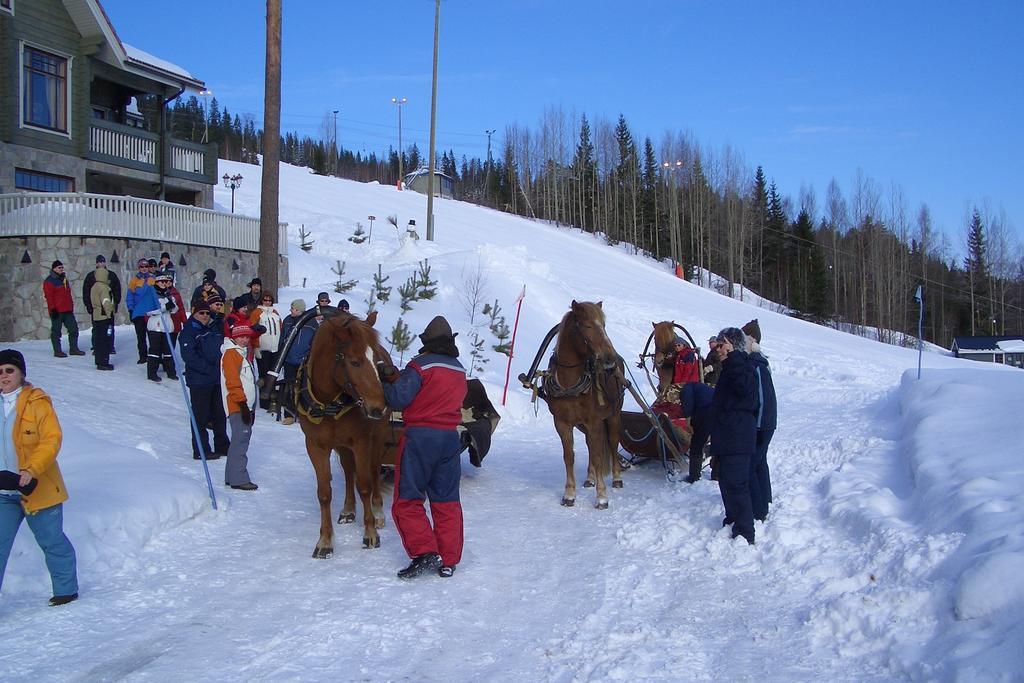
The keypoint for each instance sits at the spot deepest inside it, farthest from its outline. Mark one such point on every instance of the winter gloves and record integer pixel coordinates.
(247, 416)
(388, 373)
(9, 482)
(169, 306)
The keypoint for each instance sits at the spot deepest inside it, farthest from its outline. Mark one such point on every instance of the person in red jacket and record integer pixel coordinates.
(429, 392)
(686, 369)
(61, 306)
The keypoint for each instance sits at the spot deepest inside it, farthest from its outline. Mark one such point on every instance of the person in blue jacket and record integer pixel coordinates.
(734, 409)
(199, 345)
(695, 398)
(429, 391)
(296, 354)
(767, 418)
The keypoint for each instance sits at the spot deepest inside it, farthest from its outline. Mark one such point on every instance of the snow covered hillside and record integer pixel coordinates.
(894, 548)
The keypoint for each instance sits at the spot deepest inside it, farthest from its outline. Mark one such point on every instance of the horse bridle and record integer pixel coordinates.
(347, 386)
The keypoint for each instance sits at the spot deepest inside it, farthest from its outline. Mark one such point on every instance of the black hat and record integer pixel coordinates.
(152, 263)
(753, 330)
(210, 274)
(101, 259)
(56, 264)
(255, 281)
(13, 357)
(214, 299)
(323, 295)
(165, 255)
(343, 304)
(240, 301)
(201, 306)
(438, 328)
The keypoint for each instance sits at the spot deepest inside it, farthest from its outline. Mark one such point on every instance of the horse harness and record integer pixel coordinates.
(308, 405)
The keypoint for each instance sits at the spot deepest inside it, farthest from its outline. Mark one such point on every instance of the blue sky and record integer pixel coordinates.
(924, 94)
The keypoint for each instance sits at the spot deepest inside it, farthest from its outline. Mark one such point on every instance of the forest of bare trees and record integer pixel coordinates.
(852, 258)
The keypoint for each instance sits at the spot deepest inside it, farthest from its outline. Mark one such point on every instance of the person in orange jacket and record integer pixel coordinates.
(30, 438)
(238, 390)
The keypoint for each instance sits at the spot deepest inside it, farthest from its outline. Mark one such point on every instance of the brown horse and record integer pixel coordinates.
(339, 377)
(584, 389)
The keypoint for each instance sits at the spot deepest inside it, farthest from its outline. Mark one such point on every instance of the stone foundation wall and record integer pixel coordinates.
(23, 313)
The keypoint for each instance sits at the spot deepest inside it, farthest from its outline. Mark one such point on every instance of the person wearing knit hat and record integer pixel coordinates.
(733, 427)
(323, 299)
(136, 286)
(429, 391)
(28, 465)
(57, 292)
(343, 304)
(102, 332)
(760, 476)
(752, 330)
(166, 265)
(238, 390)
(157, 303)
(208, 287)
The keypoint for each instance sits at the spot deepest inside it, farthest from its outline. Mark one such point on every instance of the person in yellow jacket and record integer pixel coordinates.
(30, 438)
(238, 390)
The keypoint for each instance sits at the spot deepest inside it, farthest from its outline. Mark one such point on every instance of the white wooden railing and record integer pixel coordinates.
(187, 159)
(123, 142)
(99, 215)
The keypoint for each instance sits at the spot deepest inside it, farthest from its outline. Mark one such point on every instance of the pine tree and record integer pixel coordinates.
(381, 290)
(400, 339)
(305, 244)
(977, 272)
(584, 171)
(426, 288)
(499, 328)
(341, 285)
(407, 292)
(359, 236)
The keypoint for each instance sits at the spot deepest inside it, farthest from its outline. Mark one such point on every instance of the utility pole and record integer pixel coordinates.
(487, 178)
(334, 145)
(269, 199)
(433, 128)
(399, 102)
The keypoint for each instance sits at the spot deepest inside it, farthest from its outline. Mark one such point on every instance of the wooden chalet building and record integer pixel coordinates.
(1006, 349)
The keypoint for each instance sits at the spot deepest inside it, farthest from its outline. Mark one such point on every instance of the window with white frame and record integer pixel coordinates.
(45, 89)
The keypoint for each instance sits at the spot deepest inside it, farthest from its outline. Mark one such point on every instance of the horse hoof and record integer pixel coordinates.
(371, 543)
(588, 484)
(346, 518)
(601, 505)
(568, 502)
(617, 484)
(322, 553)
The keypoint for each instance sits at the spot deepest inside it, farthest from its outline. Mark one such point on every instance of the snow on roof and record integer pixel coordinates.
(1012, 345)
(425, 171)
(143, 57)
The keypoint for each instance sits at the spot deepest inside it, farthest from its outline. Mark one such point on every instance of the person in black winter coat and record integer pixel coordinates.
(296, 354)
(767, 418)
(208, 288)
(115, 291)
(695, 398)
(734, 430)
(199, 344)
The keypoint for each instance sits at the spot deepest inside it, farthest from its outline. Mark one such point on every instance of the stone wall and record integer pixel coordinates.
(25, 263)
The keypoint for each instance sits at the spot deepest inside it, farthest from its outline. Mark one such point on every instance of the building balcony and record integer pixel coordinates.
(129, 147)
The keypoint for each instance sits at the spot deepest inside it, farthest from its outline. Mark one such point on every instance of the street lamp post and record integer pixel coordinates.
(334, 145)
(399, 102)
(232, 182)
(205, 94)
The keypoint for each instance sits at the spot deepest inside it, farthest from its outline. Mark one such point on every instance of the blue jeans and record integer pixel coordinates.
(48, 527)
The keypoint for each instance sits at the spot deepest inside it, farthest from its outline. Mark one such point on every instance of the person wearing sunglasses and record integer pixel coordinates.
(136, 285)
(200, 346)
(57, 292)
(30, 438)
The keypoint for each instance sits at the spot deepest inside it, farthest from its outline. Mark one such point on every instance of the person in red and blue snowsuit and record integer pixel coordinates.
(429, 392)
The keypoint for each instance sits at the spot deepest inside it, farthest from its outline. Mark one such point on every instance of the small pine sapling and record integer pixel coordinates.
(426, 288)
(371, 302)
(381, 290)
(477, 357)
(499, 328)
(342, 285)
(305, 244)
(408, 293)
(400, 339)
(359, 236)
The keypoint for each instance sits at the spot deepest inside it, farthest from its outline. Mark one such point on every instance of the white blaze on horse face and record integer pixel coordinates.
(369, 359)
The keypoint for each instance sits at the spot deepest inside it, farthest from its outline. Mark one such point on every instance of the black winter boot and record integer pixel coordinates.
(151, 367)
(421, 563)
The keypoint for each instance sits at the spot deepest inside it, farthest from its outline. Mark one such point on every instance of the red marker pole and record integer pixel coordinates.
(512, 346)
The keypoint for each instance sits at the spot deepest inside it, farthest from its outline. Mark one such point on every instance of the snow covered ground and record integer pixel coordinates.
(894, 549)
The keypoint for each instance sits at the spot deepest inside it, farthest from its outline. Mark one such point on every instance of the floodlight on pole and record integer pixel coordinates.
(206, 94)
(399, 102)
(334, 144)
